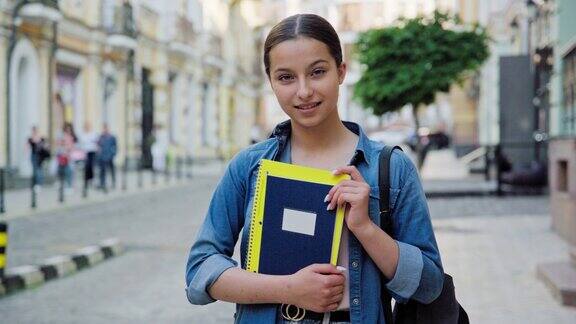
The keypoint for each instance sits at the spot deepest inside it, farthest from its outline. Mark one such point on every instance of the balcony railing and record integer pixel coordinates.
(123, 21)
(123, 29)
(48, 3)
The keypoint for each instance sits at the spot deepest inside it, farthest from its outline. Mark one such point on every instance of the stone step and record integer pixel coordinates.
(560, 277)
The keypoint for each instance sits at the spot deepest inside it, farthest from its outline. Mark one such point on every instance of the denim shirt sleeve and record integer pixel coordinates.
(212, 252)
(419, 274)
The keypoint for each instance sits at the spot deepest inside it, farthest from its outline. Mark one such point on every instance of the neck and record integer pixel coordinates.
(329, 134)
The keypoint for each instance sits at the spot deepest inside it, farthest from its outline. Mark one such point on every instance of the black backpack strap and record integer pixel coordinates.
(385, 218)
(384, 185)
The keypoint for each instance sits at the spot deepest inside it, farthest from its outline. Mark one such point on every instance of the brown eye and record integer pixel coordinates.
(285, 78)
(318, 72)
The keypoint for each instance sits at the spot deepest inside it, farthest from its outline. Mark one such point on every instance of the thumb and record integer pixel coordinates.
(325, 268)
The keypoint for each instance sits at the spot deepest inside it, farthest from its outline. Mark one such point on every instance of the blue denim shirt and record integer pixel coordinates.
(419, 274)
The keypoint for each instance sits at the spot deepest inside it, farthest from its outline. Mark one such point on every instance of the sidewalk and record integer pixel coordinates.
(443, 175)
(493, 261)
(17, 203)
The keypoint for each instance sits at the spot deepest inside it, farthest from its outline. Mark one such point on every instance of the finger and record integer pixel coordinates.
(336, 280)
(352, 190)
(351, 183)
(333, 200)
(330, 308)
(336, 299)
(345, 197)
(351, 170)
(336, 290)
(325, 268)
(345, 184)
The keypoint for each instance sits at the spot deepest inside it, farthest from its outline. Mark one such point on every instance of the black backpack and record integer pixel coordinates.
(443, 310)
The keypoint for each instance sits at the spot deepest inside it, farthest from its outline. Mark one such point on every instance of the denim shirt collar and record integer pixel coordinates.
(282, 133)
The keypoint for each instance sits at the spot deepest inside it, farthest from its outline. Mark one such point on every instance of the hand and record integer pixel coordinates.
(355, 193)
(318, 287)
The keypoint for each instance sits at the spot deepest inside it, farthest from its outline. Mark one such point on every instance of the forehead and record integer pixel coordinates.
(298, 52)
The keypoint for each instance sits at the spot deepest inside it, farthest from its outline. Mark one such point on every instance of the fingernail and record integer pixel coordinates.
(341, 268)
(326, 198)
(334, 171)
(329, 207)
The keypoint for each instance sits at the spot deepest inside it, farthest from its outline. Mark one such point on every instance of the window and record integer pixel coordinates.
(569, 91)
(562, 176)
(204, 117)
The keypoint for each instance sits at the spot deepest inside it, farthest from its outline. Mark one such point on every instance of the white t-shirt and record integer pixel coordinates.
(343, 262)
(89, 142)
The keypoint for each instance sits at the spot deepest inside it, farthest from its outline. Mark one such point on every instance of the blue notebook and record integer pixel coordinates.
(290, 227)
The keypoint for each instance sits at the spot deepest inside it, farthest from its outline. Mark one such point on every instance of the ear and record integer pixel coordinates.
(341, 72)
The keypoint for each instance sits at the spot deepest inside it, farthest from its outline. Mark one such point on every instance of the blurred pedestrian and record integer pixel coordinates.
(65, 146)
(39, 152)
(159, 149)
(89, 144)
(107, 149)
(255, 134)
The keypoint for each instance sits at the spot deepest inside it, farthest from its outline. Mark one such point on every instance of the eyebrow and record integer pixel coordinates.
(313, 63)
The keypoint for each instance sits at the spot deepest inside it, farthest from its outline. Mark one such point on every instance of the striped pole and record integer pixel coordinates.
(3, 244)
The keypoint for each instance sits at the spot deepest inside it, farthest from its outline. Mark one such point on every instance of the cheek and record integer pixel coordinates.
(284, 94)
(329, 90)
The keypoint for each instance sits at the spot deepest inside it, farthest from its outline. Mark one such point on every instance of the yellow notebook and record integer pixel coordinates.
(291, 227)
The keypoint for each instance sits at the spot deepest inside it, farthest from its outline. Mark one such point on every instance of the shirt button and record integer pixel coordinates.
(354, 264)
(356, 301)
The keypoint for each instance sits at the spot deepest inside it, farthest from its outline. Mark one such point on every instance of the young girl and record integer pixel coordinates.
(303, 61)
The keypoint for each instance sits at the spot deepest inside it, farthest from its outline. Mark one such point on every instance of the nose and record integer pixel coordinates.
(305, 91)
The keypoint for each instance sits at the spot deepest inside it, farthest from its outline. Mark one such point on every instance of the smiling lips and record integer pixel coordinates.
(308, 106)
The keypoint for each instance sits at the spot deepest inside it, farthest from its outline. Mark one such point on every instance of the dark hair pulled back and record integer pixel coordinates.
(308, 25)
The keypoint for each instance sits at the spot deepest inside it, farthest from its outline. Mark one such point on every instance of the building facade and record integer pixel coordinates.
(562, 150)
(174, 80)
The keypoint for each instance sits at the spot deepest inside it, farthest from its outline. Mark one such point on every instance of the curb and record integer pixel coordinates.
(479, 193)
(460, 194)
(29, 276)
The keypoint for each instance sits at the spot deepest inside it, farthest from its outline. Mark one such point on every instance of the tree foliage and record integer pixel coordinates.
(411, 62)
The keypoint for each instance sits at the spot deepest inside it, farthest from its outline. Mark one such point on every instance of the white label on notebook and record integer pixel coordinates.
(298, 221)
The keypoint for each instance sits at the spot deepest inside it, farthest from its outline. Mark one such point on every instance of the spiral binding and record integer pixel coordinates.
(255, 208)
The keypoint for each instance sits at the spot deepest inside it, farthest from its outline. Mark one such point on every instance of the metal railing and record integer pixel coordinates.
(48, 3)
(123, 21)
(513, 165)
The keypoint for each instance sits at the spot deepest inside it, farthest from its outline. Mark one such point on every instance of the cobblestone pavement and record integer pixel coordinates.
(490, 245)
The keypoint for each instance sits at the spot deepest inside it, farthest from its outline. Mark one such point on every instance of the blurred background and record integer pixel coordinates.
(118, 117)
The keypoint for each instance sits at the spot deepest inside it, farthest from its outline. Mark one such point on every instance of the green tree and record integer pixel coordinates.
(410, 62)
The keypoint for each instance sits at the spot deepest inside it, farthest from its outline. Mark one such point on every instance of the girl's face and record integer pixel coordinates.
(305, 80)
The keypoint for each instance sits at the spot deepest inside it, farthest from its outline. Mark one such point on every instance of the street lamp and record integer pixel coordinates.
(43, 10)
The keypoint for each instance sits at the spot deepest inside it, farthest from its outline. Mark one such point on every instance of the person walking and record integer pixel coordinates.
(39, 152)
(66, 144)
(89, 144)
(107, 149)
(303, 62)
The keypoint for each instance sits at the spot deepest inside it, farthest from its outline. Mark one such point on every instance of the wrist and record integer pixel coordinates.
(363, 230)
(284, 289)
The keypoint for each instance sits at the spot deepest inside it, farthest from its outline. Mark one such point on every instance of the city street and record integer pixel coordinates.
(490, 245)
(118, 118)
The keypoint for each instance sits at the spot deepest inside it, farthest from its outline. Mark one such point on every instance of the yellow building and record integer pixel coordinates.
(178, 80)
(25, 77)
